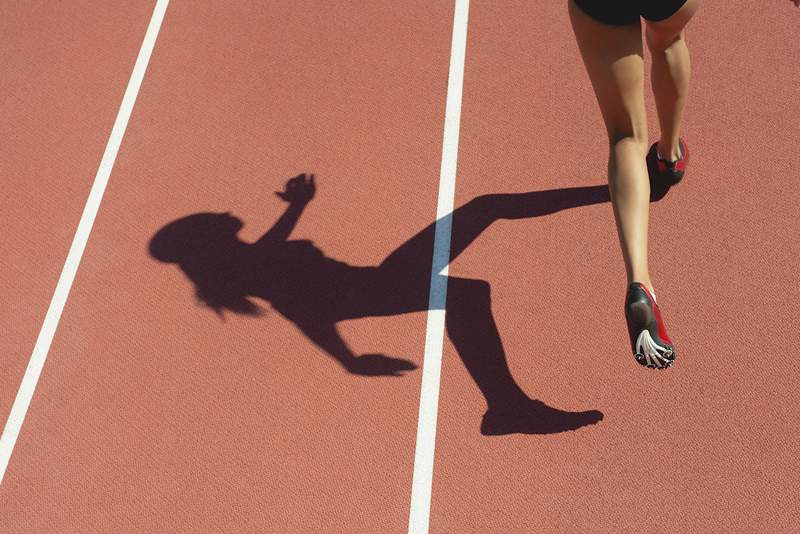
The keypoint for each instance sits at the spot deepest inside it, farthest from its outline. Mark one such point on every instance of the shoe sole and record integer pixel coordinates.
(648, 352)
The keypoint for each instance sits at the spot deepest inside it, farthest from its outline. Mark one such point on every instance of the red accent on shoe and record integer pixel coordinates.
(681, 164)
(662, 329)
(667, 172)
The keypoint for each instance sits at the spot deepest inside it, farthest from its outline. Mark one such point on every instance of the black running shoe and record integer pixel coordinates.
(650, 342)
(663, 172)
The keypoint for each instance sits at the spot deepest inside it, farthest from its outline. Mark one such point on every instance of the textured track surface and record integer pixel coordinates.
(153, 413)
(60, 94)
(707, 445)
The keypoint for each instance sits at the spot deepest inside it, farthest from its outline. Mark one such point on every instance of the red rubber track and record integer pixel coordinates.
(63, 71)
(708, 445)
(155, 414)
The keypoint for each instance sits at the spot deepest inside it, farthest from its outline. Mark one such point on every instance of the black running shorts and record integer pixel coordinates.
(621, 12)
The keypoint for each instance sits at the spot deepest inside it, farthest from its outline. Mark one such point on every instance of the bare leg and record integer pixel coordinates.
(670, 75)
(613, 59)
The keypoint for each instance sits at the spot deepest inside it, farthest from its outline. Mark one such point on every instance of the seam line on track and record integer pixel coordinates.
(34, 369)
(422, 480)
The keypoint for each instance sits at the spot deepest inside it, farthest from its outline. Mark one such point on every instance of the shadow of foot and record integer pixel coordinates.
(535, 417)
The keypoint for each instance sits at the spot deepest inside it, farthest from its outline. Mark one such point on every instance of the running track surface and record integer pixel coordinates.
(153, 413)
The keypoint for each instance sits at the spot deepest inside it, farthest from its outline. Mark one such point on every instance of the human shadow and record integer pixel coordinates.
(315, 292)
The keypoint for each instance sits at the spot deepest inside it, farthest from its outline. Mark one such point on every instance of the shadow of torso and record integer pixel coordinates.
(303, 284)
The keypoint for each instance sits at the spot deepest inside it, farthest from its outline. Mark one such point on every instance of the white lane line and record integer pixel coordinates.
(419, 516)
(40, 350)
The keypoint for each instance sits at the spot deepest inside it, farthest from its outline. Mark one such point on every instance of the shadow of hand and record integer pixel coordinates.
(379, 365)
(298, 190)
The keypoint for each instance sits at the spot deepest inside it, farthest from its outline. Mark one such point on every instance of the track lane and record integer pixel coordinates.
(161, 415)
(61, 94)
(706, 445)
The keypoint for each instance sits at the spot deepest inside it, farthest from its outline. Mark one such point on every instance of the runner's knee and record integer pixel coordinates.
(622, 142)
(627, 136)
(626, 124)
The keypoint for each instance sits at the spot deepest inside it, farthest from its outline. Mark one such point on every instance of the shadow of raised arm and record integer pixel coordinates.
(298, 192)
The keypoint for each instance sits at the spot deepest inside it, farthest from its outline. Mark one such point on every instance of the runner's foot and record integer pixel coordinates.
(664, 172)
(650, 342)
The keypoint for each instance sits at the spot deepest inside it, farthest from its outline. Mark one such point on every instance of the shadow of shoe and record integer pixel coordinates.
(535, 417)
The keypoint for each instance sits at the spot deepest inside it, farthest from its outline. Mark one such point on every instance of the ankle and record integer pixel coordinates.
(669, 150)
(645, 282)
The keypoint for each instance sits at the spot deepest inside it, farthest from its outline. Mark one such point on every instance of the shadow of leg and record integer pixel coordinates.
(471, 328)
(471, 219)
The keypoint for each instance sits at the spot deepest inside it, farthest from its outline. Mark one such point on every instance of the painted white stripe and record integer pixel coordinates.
(419, 516)
(40, 350)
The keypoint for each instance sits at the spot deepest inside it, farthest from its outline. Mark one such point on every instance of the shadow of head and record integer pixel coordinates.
(196, 235)
(206, 248)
